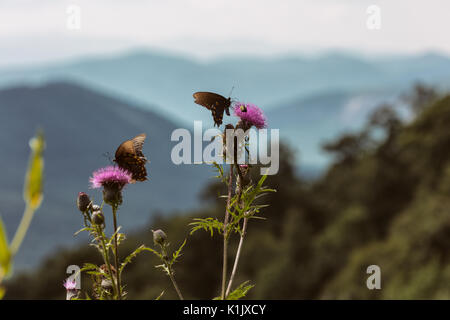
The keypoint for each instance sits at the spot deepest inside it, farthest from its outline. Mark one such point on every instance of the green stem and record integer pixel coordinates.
(22, 229)
(175, 284)
(225, 234)
(116, 253)
(106, 258)
(172, 277)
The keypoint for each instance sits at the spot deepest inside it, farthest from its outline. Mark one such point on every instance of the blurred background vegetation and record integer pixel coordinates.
(384, 200)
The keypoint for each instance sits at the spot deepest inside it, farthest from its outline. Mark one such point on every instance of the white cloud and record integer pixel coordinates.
(229, 26)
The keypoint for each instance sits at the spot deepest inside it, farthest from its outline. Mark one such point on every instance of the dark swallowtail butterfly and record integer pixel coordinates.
(129, 156)
(214, 102)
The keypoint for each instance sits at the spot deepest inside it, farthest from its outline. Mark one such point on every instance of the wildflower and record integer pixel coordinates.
(71, 288)
(83, 202)
(110, 175)
(159, 237)
(70, 284)
(250, 115)
(112, 179)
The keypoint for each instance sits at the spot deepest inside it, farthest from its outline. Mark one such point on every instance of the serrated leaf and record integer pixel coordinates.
(153, 251)
(177, 253)
(207, 224)
(130, 257)
(261, 181)
(240, 291)
(110, 241)
(89, 266)
(81, 230)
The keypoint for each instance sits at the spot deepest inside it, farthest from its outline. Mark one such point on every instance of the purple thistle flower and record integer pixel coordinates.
(70, 284)
(110, 176)
(251, 114)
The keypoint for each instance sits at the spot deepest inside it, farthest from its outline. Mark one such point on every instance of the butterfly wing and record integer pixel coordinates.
(129, 156)
(138, 144)
(214, 102)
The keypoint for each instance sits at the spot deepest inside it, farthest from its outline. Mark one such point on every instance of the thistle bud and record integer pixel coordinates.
(96, 207)
(98, 218)
(83, 202)
(107, 284)
(159, 237)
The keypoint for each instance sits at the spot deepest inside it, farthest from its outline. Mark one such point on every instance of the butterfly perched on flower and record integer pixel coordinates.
(214, 102)
(129, 156)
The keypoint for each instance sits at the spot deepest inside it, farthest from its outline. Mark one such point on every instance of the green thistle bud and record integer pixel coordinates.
(98, 218)
(159, 237)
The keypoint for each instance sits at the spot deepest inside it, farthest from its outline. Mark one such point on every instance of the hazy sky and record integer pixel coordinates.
(36, 30)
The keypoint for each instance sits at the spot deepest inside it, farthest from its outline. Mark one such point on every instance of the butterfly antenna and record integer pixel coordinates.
(231, 91)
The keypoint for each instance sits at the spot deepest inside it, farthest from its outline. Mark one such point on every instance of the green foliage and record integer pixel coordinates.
(241, 291)
(207, 224)
(241, 206)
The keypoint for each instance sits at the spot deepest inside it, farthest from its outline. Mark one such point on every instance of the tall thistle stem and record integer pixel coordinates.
(239, 187)
(225, 234)
(116, 253)
(238, 254)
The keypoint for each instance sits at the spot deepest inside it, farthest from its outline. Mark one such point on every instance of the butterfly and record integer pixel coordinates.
(214, 102)
(129, 156)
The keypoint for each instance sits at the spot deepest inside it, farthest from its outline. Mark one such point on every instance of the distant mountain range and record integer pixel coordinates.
(165, 82)
(80, 126)
(308, 98)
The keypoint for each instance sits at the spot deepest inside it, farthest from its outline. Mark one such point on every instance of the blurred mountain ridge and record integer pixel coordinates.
(83, 129)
